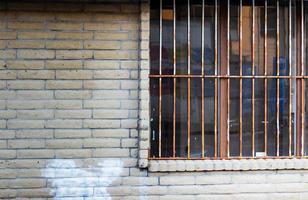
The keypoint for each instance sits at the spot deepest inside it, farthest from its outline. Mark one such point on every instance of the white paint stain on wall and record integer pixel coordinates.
(66, 179)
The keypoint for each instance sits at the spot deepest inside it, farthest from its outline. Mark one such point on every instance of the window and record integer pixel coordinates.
(228, 79)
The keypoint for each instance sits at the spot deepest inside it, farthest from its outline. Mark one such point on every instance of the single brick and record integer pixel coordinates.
(23, 44)
(26, 144)
(64, 45)
(58, 84)
(35, 114)
(36, 54)
(91, 123)
(36, 35)
(110, 114)
(73, 114)
(36, 74)
(58, 123)
(64, 143)
(64, 26)
(24, 64)
(101, 45)
(26, 85)
(101, 84)
(74, 74)
(63, 64)
(74, 54)
(100, 142)
(35, 153)
(26, 25)
(73, 94)
(73, 153)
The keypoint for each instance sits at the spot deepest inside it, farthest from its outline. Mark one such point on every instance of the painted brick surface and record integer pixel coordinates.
(74, 112)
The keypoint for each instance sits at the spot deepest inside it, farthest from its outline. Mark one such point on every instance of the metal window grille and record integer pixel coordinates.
(227, 79)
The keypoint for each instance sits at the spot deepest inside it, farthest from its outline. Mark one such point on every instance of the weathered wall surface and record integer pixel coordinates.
(69, 112)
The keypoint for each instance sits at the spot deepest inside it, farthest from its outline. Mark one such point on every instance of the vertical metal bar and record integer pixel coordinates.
(290, 80)
(228, 81)
(216, 81)
(278, 84)
(303, 81)
(202, 83)
(265, 74)
(174, 79)
(253, 80)
(160, 73)
(188, 87)
(241, 80)
(299, 72)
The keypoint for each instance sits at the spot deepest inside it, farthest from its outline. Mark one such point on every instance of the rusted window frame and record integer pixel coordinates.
(222, 81)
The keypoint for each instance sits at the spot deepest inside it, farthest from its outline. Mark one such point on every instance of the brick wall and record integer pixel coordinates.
(70, 105)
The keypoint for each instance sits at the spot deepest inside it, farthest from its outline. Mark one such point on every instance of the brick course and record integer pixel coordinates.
(74, 111)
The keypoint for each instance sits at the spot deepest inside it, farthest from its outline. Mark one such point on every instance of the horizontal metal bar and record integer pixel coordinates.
(230, 158)
(228, 77)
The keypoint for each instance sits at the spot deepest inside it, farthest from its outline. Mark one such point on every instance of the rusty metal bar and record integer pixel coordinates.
(188, 83)
(290, 80)
(227, 77)
(265, 80)
(253, 80)
(230, 158)
(202, 83)
(303, 81)
(278, 83)
(160, 72)
(303, 116)
(216, 81)
(228, 80)
(241, 80)
(174, 79)
(299, 63)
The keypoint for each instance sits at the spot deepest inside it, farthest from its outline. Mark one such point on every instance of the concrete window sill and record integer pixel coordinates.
(226, 165)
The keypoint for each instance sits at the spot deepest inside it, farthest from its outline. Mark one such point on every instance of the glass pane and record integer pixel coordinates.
(259, 38)
(181, 37)
(293, 72)
(247, 117)
(271, 117)
(284, 117)
(154, 115)
(234, 61)
(209, 106)
(181, 117)
(284, 83)
(195, 37)
(272, 83)
(306, 120)
(167, 37)
(234, 117)
(154, 37)
(247, 83)
(271, 37)
(167, 117)
(195, 118)
(259, 83)
(247, 39)
(209, 37)
(259, 116)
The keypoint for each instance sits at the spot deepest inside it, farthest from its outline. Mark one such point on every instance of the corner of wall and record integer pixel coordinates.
(144, 85)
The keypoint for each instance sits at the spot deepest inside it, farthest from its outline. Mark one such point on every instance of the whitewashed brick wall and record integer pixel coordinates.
(74, 103)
